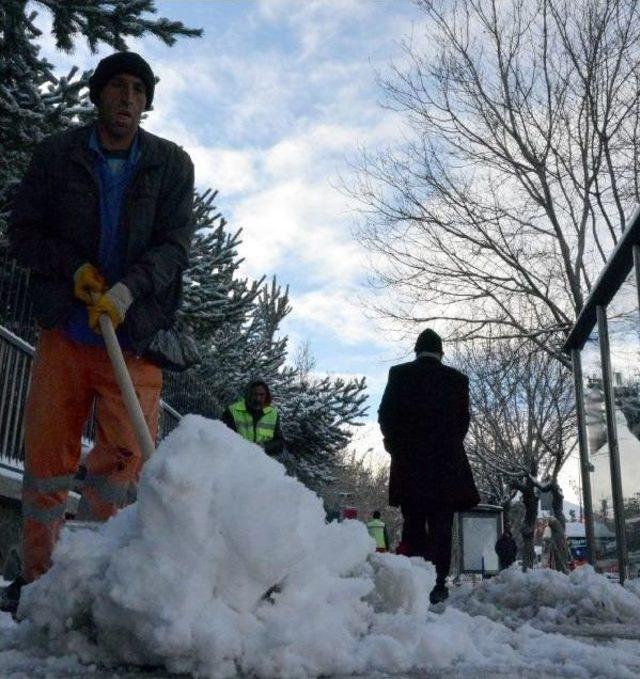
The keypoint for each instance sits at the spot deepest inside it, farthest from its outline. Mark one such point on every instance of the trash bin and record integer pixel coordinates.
(478, 530)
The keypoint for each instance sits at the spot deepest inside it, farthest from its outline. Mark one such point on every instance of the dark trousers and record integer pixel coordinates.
(433, 544)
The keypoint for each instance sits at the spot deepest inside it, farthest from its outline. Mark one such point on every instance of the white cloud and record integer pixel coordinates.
(367, 443)
(334, 309)
(273, 221)
(228, 170)
(320, 25)
(321, 13)
(319, 150)
(298, 226)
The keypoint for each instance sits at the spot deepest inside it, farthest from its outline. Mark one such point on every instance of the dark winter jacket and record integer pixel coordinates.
(424, 417)
(55, 228)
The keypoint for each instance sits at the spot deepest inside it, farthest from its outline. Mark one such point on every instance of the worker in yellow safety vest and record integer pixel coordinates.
(255, 419)
(378, 531)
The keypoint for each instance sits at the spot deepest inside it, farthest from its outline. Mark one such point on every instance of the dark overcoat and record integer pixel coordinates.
(424, 417)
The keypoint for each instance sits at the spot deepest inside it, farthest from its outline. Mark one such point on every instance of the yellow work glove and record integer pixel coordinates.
(115, 303)
(87, 281)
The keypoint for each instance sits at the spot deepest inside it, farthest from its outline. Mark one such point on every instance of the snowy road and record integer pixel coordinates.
(25, 666)
(22, 664)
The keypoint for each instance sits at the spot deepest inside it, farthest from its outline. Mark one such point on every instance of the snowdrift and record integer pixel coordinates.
(545, 598)
(224, 564)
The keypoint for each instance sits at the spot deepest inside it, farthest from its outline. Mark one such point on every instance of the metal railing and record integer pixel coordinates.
(15, 364)
(16, 357)
(16, 313)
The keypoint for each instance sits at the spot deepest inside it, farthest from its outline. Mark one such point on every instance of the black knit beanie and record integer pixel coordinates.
(121, 62)
(429, 340)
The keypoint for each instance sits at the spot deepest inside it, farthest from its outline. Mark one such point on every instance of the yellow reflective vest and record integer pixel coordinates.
(376, 531)
(259, 432)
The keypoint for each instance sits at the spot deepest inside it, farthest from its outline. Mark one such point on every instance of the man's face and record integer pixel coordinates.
(257, 397)
(121, 103)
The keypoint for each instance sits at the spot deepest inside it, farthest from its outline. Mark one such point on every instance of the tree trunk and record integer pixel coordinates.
(530, 502)
(560, 556)
(557, 504)
(506, 519)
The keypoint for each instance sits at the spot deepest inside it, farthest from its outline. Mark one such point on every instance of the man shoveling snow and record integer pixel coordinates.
(103, 219)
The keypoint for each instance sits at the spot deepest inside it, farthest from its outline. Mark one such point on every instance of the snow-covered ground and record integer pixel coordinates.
(225, 567)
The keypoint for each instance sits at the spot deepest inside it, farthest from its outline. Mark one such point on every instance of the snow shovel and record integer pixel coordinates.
(140, 429)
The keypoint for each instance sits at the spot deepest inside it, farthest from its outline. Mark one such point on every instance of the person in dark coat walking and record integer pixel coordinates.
(424, 417)
(506, 549)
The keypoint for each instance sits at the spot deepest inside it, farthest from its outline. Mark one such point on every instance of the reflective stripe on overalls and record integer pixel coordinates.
(261, 431)
(53, 489)
(376, 531)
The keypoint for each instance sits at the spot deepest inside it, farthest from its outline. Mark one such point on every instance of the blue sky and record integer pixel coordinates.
(272, 103)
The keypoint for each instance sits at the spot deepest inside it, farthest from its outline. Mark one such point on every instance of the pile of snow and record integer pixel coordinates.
(226, 566)
(224, 563)
(544, 597)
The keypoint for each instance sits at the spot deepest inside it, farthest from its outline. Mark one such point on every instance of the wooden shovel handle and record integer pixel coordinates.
(123, 378)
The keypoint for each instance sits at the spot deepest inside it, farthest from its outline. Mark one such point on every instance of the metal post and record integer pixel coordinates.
(636, 266)
(585, 465)
(612, 435)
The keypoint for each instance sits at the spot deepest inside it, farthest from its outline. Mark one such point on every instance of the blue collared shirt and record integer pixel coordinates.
(114, 175)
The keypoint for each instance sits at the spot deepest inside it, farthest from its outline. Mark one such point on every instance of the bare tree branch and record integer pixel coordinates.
(519, 168)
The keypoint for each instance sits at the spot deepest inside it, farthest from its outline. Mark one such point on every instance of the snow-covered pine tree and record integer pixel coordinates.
(318, 416)
(236, 323)
(242, 350)
(33, 101)
(213, 292)
(232, 319)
